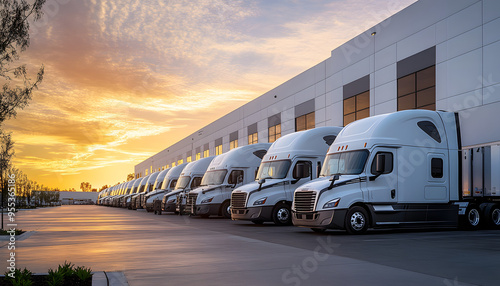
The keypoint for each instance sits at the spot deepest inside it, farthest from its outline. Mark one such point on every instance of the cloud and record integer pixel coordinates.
(125, 79)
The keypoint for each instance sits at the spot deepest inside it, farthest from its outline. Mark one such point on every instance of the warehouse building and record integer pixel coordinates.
(435, 54)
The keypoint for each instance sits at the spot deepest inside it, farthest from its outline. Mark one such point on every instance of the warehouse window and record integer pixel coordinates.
(206, 153)
(233, 144)
(180, 161)
(356, 107)
(253, 138)
(233, 140)
(189, 159)
(218, 150)
(305, 122)
(418, 90)
(274, 133)
(356, 99)
(173, 164)
(198, 156)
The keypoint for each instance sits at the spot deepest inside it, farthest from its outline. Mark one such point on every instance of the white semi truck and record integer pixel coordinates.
(156, 185)
(123, 191)
(148, 187)
(153, 201)
(125, 201)
(291, 161)
(189, 179)
(227, 171)
(403, 169)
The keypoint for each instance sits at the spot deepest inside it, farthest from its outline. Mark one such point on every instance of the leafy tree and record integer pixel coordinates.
(85, 187)
(130, 177)
(14, 38)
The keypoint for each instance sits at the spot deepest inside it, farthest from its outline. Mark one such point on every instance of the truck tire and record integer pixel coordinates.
(224, 209)
(282, 214)
(472, 218)
(493, 217)
(356, 220)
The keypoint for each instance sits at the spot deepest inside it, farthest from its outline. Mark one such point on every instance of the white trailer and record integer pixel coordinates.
(189, 179)
(403, 169)
(226, 172)
(153, 201)
(291, 161)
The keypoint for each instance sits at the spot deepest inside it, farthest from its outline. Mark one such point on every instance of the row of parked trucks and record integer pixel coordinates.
(403, 169)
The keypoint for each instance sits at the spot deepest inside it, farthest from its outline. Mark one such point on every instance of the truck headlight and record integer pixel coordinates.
(260, 201)
(207, 200)
(331, 204)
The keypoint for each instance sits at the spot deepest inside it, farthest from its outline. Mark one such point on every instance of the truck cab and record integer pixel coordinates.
(291, 161)
(148, 187)
(125, 201)
(398, 169)
(189, 179)
(153, 200)
(226, 172)
(156, 185)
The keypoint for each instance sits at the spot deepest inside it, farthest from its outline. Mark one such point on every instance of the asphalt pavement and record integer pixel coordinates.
(174, 250)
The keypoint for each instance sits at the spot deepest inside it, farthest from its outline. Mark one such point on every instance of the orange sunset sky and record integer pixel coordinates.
(126, 79)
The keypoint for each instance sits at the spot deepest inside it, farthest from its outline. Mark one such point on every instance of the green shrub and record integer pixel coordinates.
(66, 269)
(83, 273)
(55, 278)
(22, 277)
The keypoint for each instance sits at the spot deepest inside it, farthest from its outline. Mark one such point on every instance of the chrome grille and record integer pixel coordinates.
(238, 200)
(304, 201)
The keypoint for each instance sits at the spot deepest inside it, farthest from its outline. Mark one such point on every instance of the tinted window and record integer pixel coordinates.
(437, 167)
(389, 162)
(237, 173)
(196, 182)
(431, 130)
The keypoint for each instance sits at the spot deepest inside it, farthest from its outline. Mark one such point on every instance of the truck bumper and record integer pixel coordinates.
(207, 209)
(264, 213)
(320, 219)
(169, 207)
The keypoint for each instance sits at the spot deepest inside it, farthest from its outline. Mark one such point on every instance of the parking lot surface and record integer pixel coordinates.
(173, 250)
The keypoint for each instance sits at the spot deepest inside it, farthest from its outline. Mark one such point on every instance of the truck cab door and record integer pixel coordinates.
(382, 184)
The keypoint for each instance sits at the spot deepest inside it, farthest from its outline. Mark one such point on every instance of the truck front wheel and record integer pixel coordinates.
(225, 209)
(282, 214)
(356, 220)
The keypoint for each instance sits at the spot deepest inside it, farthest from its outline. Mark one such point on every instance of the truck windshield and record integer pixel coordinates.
(213, 177)
(273, 170)
(182, 182)
(345, 163)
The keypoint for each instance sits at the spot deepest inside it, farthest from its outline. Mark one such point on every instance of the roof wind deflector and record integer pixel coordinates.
(329, 139)
(260, 153)
(430, 129)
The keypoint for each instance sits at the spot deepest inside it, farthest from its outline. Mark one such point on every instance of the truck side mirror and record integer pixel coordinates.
(261, 181)
(380, 163)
